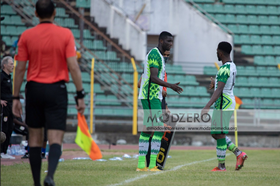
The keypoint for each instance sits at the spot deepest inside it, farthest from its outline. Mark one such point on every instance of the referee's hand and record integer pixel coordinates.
(81, 106)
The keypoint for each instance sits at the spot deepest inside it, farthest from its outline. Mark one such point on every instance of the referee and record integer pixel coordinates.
(50, 50)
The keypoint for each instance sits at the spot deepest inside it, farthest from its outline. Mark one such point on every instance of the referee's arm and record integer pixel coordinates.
(77, 80)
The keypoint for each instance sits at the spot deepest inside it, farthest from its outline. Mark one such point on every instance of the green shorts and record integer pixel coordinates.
(152, 112)
(220, 121)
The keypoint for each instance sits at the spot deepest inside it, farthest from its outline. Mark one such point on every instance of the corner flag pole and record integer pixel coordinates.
(91, 95)
(135, 99)
(235, 125)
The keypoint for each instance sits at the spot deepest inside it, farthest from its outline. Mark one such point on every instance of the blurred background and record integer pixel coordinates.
(114, 31)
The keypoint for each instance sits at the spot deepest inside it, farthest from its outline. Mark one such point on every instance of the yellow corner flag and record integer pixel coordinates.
(84, 140)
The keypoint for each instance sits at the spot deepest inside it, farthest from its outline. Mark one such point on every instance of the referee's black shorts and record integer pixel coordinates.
(46, 105)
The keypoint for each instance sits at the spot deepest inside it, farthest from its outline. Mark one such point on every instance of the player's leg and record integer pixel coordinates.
(35, 119)
(217, 133)
(144, 138)
(148, 156)
(44, 144)
(56, 114)
(156, 139)
(240, 156)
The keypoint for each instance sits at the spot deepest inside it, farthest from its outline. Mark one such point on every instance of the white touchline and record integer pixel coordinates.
(160, 172)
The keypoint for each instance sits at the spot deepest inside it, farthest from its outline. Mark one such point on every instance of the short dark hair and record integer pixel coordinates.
(164, 35)
(225, 47)
(45, 8)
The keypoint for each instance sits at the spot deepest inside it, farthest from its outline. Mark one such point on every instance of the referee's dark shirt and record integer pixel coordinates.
(6, 87)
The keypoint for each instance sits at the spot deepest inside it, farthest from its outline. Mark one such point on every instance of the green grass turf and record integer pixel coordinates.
(261, 168)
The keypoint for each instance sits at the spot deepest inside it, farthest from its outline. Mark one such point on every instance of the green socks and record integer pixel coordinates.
(143, 149)
(231, 146)
(155, 146)
(221, 150)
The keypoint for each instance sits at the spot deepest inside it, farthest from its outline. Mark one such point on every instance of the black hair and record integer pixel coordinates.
(164, 35)
(45, 8)
(225, 47)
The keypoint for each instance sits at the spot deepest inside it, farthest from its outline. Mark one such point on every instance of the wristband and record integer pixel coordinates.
(80, 94)
(16, 97)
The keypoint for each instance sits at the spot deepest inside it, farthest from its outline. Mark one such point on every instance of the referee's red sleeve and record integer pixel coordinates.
(22, 50)
(70, 47)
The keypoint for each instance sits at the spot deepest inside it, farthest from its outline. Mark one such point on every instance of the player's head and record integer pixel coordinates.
(165, 40)
(45, 9)
(166, 55)
(223, 50)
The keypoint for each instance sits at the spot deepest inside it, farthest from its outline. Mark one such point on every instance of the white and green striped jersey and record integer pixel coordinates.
(227, 74)
(148, 89)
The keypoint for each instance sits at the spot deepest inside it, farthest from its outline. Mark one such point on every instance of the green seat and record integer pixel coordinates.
(98, 45)
(275, 29)
(76, 33)
(273, 71)
(266, 93)
(72, 111)
(8, 10)
(229, 18)
(85, 77)
(113, 100)
(257, 49)
(244, 92)
(208, 8)
(83, 3)
(268, 50)
(252, 19)
(98, 112)
(97, 88)
(100, 54)
(261, 71)
(245, 39)
(69, 22)
(253, 81)
(86, 87)
(250, 9)
(233, 28)
(100, 100)
(276, 40)
(87, 34)
(273, 20)
(7, 40)
(111, 55)
(255, 39)
(267, 40)
(236, 39)
(241, 70)
(189, 90)
(277, 103)
(195, 102)
(60, 12)
(258, 60)
(267, 104)
(255, 92)
(60, 21)
(261, 10)
(240, 9)
(262, 19)
(88, 44)
(28, 10)
(190, 80)
(272, 10)
(277, 59)
(263, 81)
(241, 81)
(21, 29)
(6, 21)
(229, 8)
(275, 92)
(201, 91)
(243, 29)
(264, 29)
(4, 31)
(247, 103)
(71, 88)
(269, 60)
(12, 30)
(220, 18)
(276, 50)
(218, 8)
(273, 81)
(16, 20)
(246, 49)
(253, 29)
(210, 70)
(241, 19)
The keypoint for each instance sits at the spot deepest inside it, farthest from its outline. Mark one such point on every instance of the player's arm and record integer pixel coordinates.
(217, 93)
(19, 122)
(139, 82)
(156, 80)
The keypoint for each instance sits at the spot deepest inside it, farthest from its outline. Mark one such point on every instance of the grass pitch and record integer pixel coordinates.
(192, 167)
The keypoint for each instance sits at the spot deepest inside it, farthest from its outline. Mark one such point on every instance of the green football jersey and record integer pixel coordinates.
(227, 74)
(148, 89)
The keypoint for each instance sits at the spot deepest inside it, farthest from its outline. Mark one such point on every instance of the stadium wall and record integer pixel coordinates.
(120, 27)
